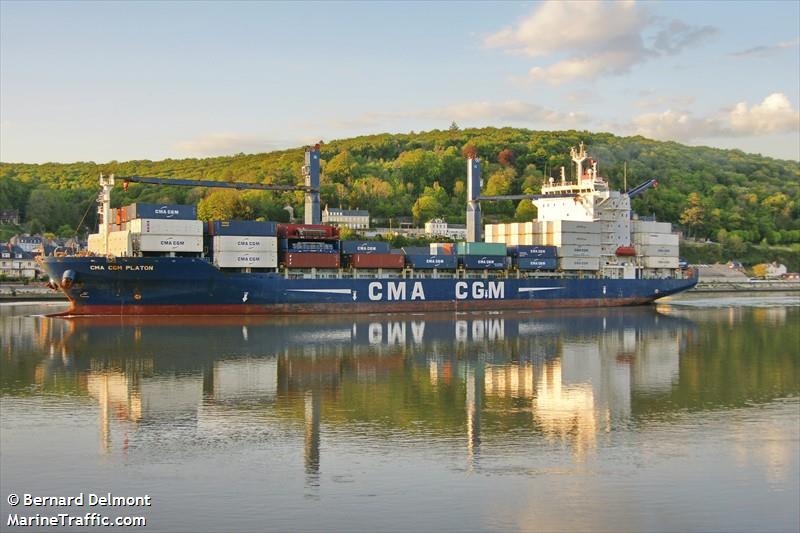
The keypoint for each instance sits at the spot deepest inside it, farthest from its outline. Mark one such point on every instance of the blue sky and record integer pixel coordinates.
(104, 81)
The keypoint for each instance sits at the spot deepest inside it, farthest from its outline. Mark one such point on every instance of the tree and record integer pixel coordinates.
(526, 211)
(342, 167)
(693, 216)
(453, 126)
(223, 205)
(431, 204)
(506, 158)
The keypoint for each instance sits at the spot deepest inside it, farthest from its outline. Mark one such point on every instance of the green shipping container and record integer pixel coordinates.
(481, 248)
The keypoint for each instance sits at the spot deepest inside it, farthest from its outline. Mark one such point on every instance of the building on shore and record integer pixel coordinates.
(16, 263)
(346, 218)
(438, 227)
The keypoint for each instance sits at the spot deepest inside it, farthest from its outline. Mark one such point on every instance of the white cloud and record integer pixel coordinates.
(767, 50)
(592, 38)
(226, 144)
(774, 114)
(512, 111)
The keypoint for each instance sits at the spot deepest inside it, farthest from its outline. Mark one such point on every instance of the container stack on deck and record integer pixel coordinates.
(151, 229)
(655, 243)
(309, 246)
(244, 244)
(370, 255)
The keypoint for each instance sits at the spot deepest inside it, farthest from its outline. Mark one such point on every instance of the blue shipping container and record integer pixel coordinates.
(252, 228)
(533, 251)
(481, 262)
(173, 211)
(536, 263)
(365, 247)
(432, 261)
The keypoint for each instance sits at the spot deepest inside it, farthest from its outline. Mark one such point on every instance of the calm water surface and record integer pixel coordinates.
(682, 416)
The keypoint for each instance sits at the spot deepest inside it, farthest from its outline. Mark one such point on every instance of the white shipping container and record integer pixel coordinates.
(119, 243)
(560, 239)
(170, 243)
(96, 244)
(246, 259)
(579, 263)
(231, 243)
(572, 226)
(660, 262)
(579, 250)
(658, 250)
(158, 226)
(515, 228)
(670, 239)
(532, 239)
(650, 226)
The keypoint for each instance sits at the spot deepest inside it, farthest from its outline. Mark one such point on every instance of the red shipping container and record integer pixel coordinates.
(377, 260)
(307, 231)
(310, 260)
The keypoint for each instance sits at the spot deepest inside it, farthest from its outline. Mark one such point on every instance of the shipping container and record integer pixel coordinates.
(119, 243)
(246, 259)
(160, 226)
(313, 247)
(310, 260)
(669, 239)
(561, 239)
(481, 262)
(579, 263)
(231, 243)
(527, 251)
(365, 247)
(448, 262)
(535, 263)
(573, 226)
(415, 250)
(442, 248)
(658, 250)
(254, 228)
(371, 260)
(172, 211)
(578, 250)
(170, 243)
(651, 226)
(307, 231)
(481, 248)
(660, 262)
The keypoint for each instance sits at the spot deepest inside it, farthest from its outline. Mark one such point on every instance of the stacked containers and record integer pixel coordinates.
(244, 244)
(371, 254)
(578, 243)
(656, 244)
(540, 257)
(516, 233)
(160, 228)
(482, 255)
(309, 245)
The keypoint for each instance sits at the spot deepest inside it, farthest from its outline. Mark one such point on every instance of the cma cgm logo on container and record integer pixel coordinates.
(164, 210)
(173, 242)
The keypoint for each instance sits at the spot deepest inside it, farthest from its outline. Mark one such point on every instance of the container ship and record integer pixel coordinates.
(584, 250)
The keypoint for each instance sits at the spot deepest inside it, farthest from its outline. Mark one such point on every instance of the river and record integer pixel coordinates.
(683, 416)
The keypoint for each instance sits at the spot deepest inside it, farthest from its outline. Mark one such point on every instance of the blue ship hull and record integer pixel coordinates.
(192, 286)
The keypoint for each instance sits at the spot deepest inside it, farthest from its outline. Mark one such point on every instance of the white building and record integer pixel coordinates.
(16, 262)
(346, 218)
(775, 270)
(437, 227)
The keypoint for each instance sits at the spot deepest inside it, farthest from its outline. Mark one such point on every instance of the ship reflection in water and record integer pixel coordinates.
(493, 393)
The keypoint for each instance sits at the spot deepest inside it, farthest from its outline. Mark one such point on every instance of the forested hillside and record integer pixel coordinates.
(724, 195)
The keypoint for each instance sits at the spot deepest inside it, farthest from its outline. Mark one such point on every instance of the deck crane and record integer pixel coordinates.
(310, 170)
